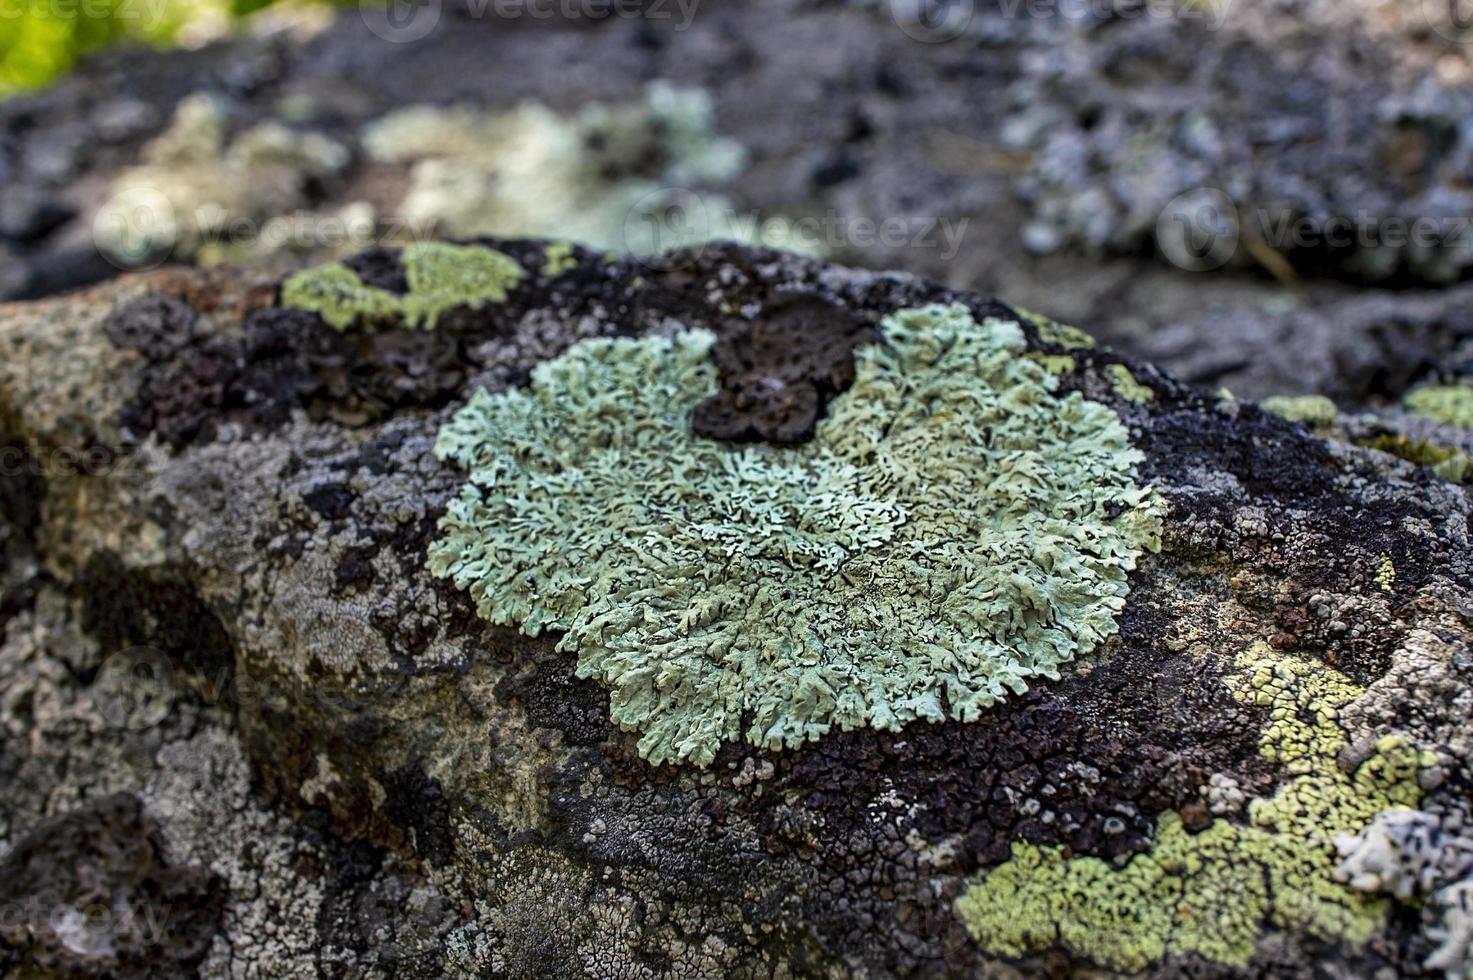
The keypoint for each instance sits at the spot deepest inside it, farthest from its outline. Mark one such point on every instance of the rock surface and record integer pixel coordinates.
(234, 698)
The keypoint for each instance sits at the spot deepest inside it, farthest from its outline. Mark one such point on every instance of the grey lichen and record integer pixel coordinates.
(954, 529)
(1415, 855)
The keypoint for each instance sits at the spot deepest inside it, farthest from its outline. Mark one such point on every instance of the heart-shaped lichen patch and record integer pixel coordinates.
(953, 529)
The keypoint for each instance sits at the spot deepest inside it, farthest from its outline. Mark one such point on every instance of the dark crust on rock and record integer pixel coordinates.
(779, 370)
(126, 609)
(97, 860)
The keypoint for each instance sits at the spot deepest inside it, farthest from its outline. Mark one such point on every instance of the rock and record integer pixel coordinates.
(225, 523)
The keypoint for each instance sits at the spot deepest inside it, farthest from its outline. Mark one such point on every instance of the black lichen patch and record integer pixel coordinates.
(543, 682)
(416, 801)
(157, 325)
(381, 268)
(126, 608)
(779, 370)
(89, 894)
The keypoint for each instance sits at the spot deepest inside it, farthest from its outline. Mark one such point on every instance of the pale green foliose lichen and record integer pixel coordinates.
(1214, 892)
(1452, 404)
(953, 529)
(1315, 411)
(612, 176)
(441, 277)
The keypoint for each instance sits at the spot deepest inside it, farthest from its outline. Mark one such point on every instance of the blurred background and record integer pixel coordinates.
(1269, 196)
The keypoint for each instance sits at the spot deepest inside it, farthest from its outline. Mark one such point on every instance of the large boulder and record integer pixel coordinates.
(509, 609)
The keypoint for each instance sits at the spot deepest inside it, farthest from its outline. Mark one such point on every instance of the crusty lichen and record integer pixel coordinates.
(1212, 893)
(441, 277)
(1126, 385)
(1421, 857)
(954, 529)
(1057, 334)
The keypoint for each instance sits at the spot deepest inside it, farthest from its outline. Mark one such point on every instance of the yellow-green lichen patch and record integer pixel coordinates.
(1054, 363)
(1386, 574)
(953, 529)
(1212, 893)
(441, 277)
(1453, 465)
(1126, 386)
(1057, 334)
(1315, 411)
(1452, 404)
(557, 258)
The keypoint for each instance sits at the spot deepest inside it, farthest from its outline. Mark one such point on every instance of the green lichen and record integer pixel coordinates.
(557, 258)
(1126, 386)
(613, 176)
(1055, 333)
(1315, 411)
(1214, 892)
(953, 529)
(1054, 363)
(1453, 465)
(441, 277)
(1386, 574)
(1452, 404)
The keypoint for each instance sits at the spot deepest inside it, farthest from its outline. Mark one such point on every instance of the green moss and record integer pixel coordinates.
(441, 278)
(1212, 893)
(1452, 404)
(1315, 411)
(1126, 386)
(953, 529)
